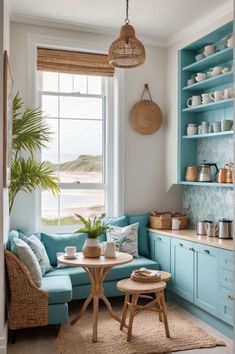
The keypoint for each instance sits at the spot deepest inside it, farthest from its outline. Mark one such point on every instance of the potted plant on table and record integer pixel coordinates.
(93, 228)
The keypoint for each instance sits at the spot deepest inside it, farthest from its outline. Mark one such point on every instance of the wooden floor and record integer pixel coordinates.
(41, 340)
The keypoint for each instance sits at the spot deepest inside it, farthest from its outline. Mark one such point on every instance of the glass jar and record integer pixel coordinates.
(191, 129)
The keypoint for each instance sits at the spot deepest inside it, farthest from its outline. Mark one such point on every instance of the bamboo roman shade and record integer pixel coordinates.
(71, 62)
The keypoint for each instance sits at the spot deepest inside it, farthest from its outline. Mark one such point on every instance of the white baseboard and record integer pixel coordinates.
(3, 341)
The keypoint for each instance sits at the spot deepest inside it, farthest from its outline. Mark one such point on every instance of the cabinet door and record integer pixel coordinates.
(182, 267)
(162, 252)
(206, 287)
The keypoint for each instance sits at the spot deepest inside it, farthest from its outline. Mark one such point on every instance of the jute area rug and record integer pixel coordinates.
(148, 335)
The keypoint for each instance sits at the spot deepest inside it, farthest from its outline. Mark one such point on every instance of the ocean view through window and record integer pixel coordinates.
(75, 106)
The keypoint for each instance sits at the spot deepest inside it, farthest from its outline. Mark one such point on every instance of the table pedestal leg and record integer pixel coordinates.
(96, 276)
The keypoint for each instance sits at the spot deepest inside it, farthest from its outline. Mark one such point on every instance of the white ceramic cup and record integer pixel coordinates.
(228, 93)
(217, 95)
(230, 42)
(194, 101)
(209, 50)
(217, 70)
(70, 250)
(110, 249)
(206, 98)
(201, 76)
(175, 224)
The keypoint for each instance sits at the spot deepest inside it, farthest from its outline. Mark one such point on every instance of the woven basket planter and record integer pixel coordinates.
(163, 221)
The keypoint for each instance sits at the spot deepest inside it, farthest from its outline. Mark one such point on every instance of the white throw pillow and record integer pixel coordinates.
(41, 254)
(125, 237)
(27, 256)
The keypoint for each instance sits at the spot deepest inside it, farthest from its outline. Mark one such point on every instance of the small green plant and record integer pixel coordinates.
(93, 227)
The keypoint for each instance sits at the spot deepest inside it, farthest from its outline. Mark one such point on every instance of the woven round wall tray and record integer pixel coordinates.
(146, 116)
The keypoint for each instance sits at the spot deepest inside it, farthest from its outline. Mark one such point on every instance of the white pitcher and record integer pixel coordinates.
(110, 249)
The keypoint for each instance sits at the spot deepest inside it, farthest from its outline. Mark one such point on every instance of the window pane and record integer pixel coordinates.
(81, 107)
(50, 105)
(50, 153)
(81, 151)
(88, 202)
(50, 207)
(80, 83)
(94, 85)
(49, 81)
(66, 82)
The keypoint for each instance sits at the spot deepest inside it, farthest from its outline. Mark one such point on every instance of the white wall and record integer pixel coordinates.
(172, 92)
(144, 167)
(4, 216)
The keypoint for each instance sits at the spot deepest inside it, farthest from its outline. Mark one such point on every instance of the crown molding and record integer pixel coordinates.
(100, 30)
(205, 21)
(112, 33)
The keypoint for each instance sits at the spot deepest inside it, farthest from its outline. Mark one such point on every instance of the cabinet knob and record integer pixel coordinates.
(191, 249)
(207, 251)
(181, 244)
(159, 238)
(230, 297)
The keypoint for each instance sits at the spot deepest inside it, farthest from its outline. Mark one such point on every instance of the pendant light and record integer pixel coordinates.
(126, 51)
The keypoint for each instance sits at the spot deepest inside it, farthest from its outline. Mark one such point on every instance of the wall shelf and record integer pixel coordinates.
(207, 184)
(210, 106)
(210, 135)
(217, 58)
(221, 79)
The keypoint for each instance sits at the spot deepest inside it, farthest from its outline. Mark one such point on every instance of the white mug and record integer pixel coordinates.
(209, 49)
(201, 76)
(175, 224)
(217, 95)
(195, 101)
(217, 70)
(70, 250)
(110, 249)
(230, 42)
(206, 98)
(228, 93)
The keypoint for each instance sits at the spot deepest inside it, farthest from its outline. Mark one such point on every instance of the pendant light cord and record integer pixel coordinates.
(127, 21)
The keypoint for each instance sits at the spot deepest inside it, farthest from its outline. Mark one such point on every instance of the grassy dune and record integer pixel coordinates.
(87, 163)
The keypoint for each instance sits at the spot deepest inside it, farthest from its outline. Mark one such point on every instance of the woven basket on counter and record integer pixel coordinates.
(163, 221)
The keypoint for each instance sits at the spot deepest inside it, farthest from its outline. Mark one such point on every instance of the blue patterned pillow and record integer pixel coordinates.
(126, 238)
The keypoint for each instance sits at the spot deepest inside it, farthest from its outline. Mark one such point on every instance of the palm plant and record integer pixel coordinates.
(29, 133)
(93, 228)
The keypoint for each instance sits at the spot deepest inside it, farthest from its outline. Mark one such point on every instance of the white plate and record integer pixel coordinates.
(70, 257)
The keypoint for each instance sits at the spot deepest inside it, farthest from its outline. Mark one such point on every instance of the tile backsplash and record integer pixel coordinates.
(210, 203)
(207, 203)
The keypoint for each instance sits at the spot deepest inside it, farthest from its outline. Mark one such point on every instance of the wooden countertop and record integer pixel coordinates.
(190, 235)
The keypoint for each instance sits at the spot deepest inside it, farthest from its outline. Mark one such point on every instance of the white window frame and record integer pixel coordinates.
(114, 127)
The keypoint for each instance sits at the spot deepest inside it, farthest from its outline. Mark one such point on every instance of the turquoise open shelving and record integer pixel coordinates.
(210, 106)
(211, 82)
(210, 135)
(213, 60)
(189, 146)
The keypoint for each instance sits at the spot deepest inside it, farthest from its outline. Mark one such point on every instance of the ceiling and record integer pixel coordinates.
(160, 19)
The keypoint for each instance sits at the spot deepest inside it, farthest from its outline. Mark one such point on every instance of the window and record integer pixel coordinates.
(75, 106)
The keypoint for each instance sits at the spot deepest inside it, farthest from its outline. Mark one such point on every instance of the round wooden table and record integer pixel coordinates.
(97, 268)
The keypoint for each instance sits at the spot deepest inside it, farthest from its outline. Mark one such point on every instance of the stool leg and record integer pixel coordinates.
(124, 311)
(132, 315)
(158, 307)
(162, 301)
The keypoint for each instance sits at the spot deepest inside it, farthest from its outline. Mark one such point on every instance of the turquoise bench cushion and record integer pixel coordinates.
(143, 220)
(79, 276)
(59, 289)
(58, 313)
(120, 221)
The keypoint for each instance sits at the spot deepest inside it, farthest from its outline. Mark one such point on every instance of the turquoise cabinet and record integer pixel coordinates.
(182, 268)
(162, 252)
(206, 279)
(226, 298)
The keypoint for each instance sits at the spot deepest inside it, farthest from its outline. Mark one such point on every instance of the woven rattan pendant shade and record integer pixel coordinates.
(127, 51)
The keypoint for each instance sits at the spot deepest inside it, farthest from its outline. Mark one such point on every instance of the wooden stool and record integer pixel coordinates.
(136, 290)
